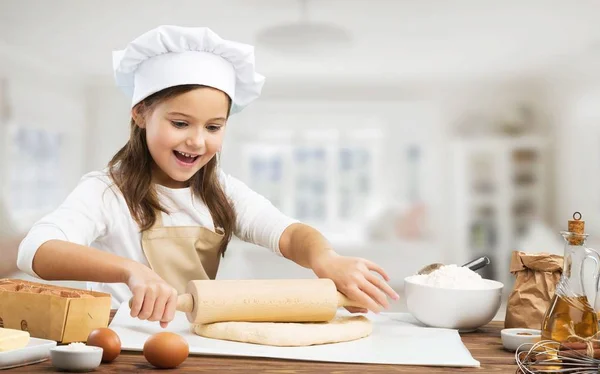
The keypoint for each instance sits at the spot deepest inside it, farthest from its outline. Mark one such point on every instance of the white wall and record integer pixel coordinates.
(577, 177)
(109, 116)
(573, 104)
(43, 100)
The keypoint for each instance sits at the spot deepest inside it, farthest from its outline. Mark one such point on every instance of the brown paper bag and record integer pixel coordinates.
(537, 275)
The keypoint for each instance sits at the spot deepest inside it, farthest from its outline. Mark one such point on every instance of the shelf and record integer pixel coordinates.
(483, 200)
(514, 168)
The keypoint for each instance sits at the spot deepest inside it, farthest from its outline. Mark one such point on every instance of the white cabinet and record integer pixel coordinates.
(499, 188)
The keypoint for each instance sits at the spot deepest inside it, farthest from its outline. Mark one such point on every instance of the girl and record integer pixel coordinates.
(163, 212)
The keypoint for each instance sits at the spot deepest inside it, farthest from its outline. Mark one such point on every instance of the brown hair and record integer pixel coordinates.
(131, 170)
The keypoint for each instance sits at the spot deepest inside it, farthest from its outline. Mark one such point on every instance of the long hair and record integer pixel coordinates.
(131, 170)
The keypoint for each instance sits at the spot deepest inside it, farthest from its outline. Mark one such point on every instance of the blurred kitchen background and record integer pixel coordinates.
(409, 131)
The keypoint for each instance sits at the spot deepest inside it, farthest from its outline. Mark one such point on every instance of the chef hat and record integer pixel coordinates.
(169, 56)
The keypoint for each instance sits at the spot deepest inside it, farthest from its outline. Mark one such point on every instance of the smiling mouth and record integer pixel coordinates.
(185, 157)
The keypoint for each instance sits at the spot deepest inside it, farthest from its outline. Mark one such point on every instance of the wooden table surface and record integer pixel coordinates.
(484, 344)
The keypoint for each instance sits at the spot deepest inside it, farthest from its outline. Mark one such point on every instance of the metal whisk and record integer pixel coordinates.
(547, 356)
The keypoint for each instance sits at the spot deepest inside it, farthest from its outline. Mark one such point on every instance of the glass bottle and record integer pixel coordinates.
(571, 312)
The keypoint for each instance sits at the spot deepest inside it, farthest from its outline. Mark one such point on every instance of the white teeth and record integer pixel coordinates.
(186, 154)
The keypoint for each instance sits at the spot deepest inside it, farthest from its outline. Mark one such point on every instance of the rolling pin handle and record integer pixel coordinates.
(185, 303)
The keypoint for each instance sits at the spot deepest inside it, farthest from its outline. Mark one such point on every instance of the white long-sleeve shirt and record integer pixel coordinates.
(95, 214)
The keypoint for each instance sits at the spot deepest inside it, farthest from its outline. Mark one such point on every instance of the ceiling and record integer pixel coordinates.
(392, 41)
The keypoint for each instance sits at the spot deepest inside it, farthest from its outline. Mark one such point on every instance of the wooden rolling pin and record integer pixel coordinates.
(257, 300)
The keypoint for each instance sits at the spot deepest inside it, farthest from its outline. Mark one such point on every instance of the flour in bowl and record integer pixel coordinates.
(452, 276)
(76, 346)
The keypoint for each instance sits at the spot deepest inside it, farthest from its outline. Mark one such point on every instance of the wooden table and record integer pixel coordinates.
(485, 346)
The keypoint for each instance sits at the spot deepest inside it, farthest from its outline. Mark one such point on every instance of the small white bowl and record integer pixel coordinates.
(464, 310)
(73, 360)
(513, 338)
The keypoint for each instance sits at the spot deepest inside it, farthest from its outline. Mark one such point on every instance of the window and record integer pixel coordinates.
(265, 171)
(355, 173)
(33, 185)
(322, 179)
(311, 185)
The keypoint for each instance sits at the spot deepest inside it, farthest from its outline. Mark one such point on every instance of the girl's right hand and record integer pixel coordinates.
(153, 298)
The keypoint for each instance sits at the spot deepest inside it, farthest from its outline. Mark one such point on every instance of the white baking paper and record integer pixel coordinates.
(397, 338)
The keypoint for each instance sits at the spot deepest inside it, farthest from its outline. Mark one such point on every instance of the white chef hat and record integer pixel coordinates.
(169, 56)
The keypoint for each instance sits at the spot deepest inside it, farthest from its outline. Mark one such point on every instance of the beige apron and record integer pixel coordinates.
(179, 254)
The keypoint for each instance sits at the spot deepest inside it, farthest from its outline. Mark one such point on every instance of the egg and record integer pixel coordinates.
(166, 350)
(108, 340)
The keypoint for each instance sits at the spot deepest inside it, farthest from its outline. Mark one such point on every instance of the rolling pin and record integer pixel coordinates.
(257, 300)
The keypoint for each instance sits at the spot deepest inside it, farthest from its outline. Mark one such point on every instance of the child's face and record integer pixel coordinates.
(183, 133)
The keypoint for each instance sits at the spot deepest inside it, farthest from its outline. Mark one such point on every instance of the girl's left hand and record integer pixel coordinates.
(354, 278)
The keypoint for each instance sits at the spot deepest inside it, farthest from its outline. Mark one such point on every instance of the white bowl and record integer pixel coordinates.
(465, 310)
(72, 360)
(515, 337)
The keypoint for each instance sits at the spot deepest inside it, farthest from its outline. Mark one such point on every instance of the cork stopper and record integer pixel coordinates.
(576, 226)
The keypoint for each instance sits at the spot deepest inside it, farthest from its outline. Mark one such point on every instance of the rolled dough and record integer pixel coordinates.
(340, 329)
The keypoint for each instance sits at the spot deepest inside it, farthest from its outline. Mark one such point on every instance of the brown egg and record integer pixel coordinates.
(108, 340)
(166, 350)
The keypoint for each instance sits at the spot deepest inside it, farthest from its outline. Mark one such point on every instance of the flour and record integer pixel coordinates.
(452, 276)
(76, 346)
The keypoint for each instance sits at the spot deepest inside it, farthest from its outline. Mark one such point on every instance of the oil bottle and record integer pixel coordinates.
(571, 312)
